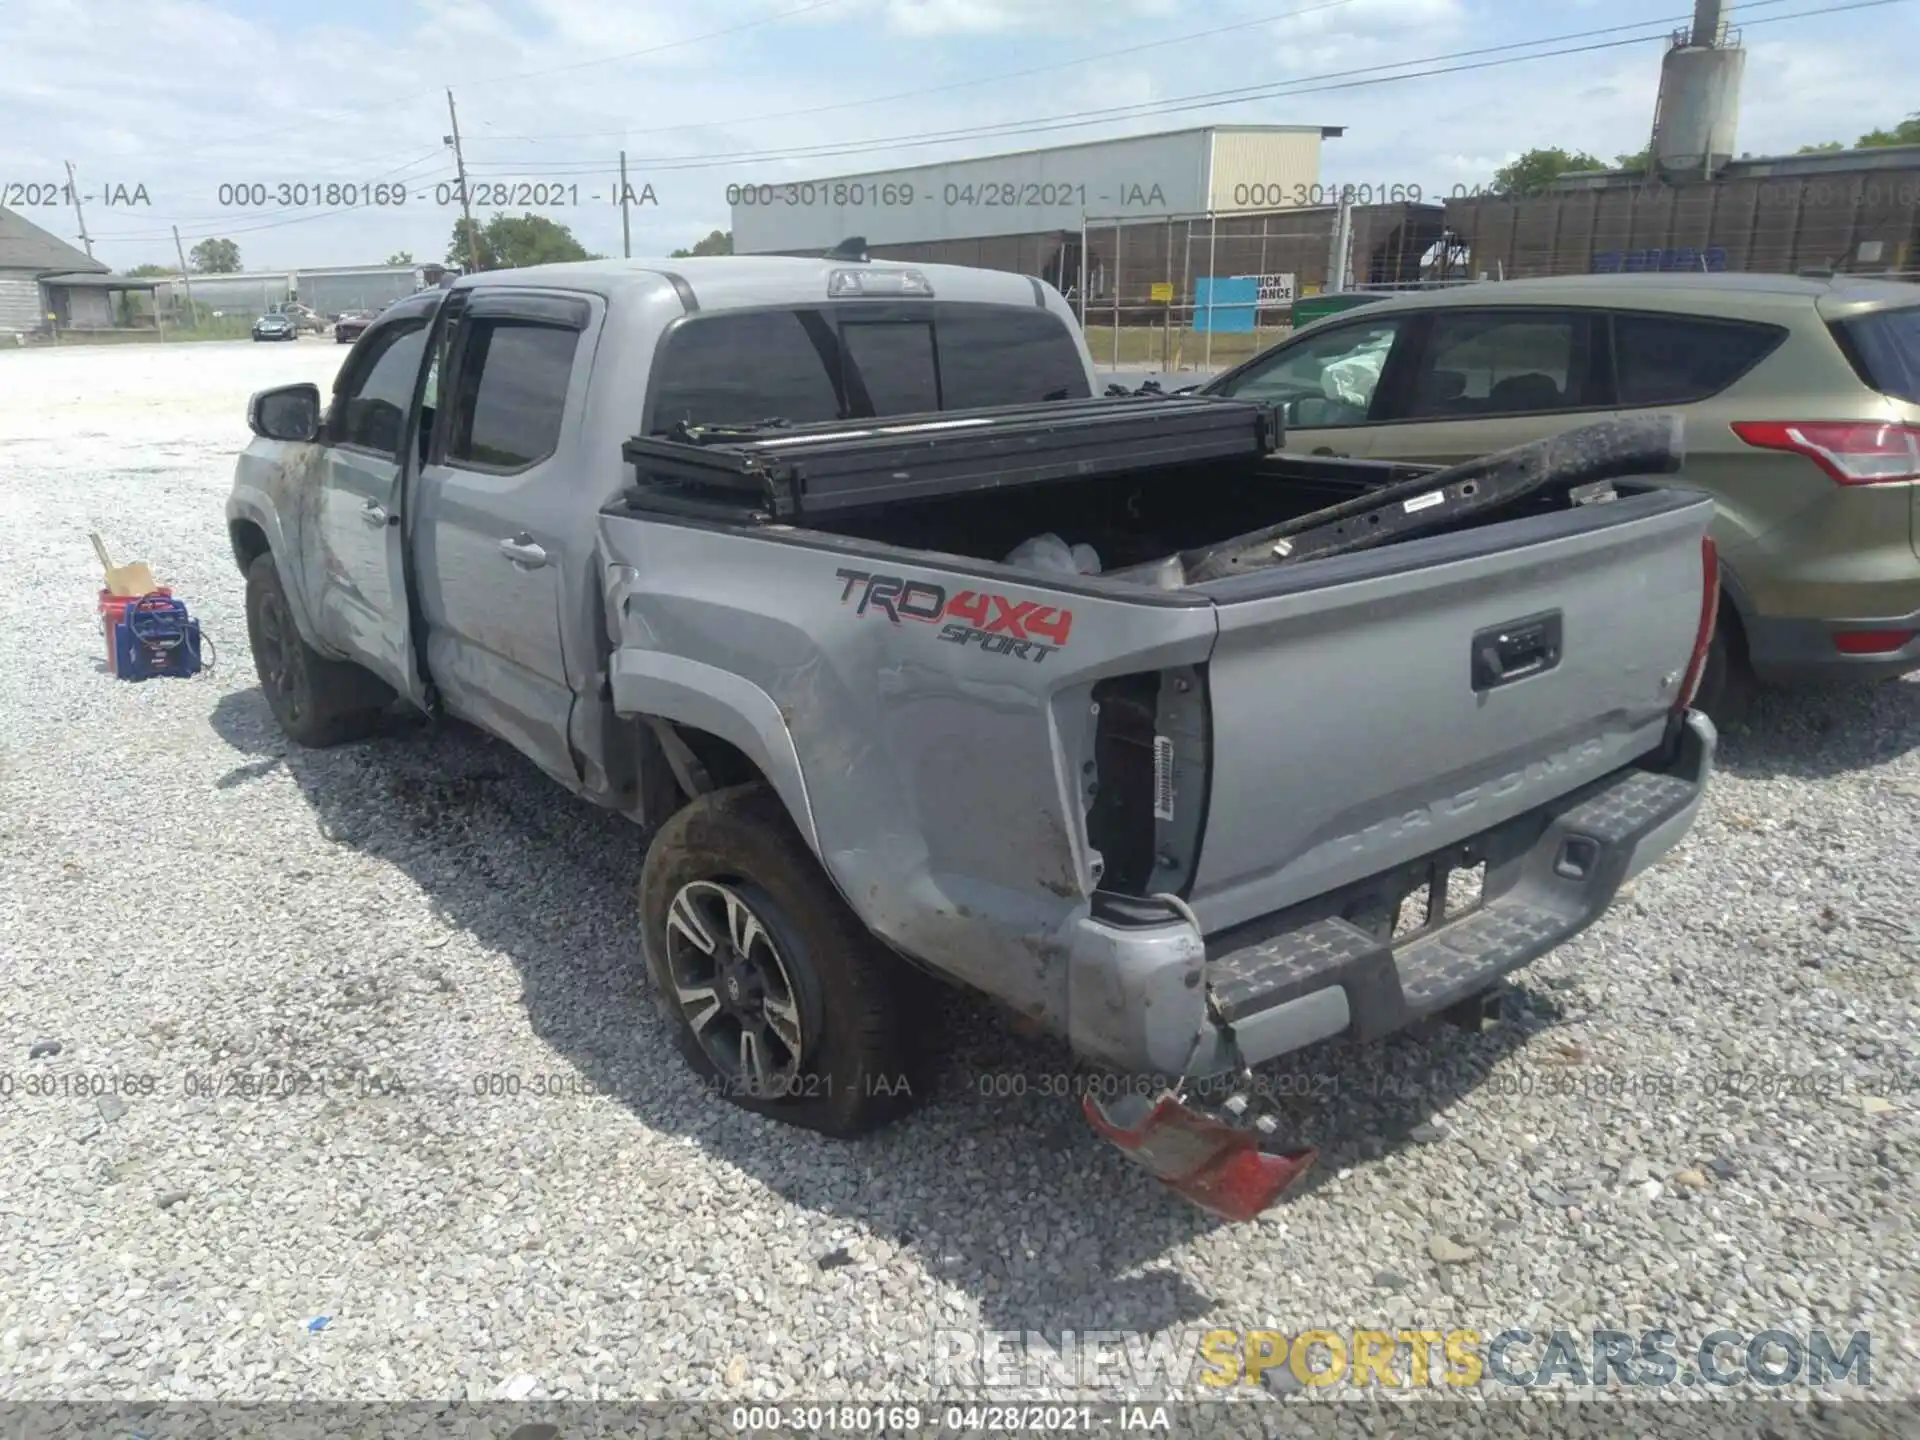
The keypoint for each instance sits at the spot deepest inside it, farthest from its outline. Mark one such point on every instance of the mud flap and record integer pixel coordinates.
(1215, 1166)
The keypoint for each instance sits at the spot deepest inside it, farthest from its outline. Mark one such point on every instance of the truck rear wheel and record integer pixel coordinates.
(318, 701)
(780, 1000)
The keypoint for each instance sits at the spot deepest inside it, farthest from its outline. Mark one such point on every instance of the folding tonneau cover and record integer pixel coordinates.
(793, 470)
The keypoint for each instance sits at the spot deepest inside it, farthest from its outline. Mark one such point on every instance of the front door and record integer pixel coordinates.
(504, 525)
(361, 609)
(1327, 384)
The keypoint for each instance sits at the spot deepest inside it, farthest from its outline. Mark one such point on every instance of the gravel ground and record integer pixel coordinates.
(427, 923)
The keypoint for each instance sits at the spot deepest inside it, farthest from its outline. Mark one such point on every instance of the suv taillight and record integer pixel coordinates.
(1854, 453)
(1709, 617)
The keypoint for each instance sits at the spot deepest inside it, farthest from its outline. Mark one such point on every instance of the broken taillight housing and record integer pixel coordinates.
(1709, 617)
(1852, 452)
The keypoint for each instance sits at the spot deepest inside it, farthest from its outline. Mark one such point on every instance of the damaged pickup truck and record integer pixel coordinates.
(914, 656)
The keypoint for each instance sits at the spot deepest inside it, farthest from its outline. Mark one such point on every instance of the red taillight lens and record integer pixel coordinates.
(1854, 454)
(1709, 617)
(1870, 642)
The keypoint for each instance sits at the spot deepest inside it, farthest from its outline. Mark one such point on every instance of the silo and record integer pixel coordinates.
(1699, 105)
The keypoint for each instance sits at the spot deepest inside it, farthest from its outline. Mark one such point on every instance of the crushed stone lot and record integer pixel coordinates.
(485, 1165)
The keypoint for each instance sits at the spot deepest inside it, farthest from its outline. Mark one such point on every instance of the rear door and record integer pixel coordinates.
(495, 502)
(1328, 383)
(1480, 380)
(356, 552)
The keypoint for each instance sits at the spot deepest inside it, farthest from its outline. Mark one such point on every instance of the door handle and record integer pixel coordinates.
(1516, 650)
(374, 513)
(522, 551)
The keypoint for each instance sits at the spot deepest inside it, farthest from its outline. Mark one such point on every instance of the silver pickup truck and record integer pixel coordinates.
(916, 655)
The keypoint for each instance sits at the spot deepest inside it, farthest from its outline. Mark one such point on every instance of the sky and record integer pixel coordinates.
(230, 118)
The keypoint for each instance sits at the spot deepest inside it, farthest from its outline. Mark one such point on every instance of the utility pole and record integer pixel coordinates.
(193, 316)
(73, 189)
(626, 232)
(460, 169)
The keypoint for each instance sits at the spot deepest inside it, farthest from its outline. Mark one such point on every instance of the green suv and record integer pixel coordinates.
(1802, 406)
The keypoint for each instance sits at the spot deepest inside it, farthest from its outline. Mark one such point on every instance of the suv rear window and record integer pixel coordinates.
(740, 367)
(1885, 349)
(1677, 359)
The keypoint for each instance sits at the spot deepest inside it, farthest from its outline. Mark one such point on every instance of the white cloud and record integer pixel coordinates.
(185, 95)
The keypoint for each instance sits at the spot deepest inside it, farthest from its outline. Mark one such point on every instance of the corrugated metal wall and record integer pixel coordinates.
(1864, 223)
(330, 294)
(1266, 170)
(19, 303)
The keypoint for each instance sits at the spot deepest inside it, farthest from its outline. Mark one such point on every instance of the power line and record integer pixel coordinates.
(959, 84)
(296, 215)
(1303, 85)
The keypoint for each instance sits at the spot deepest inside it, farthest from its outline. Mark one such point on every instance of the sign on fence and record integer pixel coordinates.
(1276, 292)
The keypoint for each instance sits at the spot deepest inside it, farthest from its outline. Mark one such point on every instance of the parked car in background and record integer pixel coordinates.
(275, 326)
(1802, 405)
(350, 324)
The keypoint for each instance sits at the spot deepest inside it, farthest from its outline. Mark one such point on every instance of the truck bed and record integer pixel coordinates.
(980, 750)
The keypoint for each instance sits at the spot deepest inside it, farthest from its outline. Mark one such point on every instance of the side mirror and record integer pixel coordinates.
(287, 412)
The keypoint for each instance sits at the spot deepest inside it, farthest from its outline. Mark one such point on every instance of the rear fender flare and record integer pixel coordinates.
(687, 692)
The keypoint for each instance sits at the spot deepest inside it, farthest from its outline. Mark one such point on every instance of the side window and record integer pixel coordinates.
(1675, 359)
(371, 408)
(1326, 379)
(1502, 363)
(736, 369)
(893, 363)
(512, 393)
(999, 355)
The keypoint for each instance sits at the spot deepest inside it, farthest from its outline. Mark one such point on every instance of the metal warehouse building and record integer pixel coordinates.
(1129, 227)
(326, 288)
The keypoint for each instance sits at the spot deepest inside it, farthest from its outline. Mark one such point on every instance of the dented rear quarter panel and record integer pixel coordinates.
(936, 773)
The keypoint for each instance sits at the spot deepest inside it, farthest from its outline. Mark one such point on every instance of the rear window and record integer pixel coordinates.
(513, 394)
(1677, 359)
(893, 362)
(1886, 351)
(738, 368)
(1004, 356)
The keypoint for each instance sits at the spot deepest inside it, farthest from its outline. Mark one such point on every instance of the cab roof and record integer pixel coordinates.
(726, 282)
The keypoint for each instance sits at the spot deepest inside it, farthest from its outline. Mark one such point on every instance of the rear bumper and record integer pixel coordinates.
(1150, 996)
(1792, 652)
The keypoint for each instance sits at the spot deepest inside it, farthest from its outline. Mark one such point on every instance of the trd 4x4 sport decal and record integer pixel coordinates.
(1024, 629)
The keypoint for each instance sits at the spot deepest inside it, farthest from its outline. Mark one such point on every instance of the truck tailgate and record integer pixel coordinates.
(1370, 709)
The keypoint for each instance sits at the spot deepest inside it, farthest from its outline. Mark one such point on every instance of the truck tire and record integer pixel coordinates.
(1726, 681)
(752, 953)
(318, 701)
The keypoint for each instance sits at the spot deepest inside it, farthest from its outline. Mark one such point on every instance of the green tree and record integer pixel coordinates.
(1826, 147)
(215, 257)
(1640, 162)
(1907, 132)
(148, 272)
(1534, 171)
(718, 242)
(400, 257)
(508, 242)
